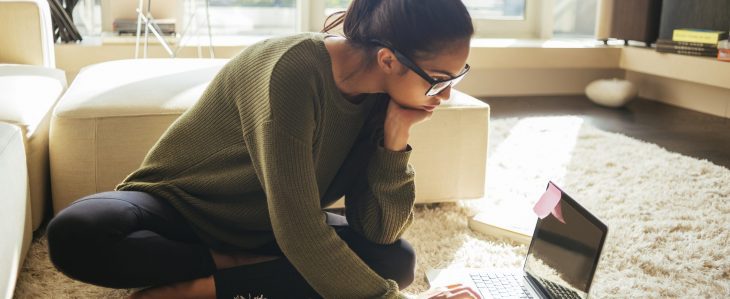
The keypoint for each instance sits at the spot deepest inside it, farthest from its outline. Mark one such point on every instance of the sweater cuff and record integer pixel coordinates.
(393, 291)
(389, 161)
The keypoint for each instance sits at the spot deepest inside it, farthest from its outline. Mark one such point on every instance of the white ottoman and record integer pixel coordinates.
(15, 216)
(115, 111)
(28, 94)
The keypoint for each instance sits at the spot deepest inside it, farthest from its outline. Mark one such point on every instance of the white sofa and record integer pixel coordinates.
(114, 112)
(30, 85)
(27, 96)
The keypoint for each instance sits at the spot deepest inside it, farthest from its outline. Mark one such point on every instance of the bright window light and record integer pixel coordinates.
(251, 17)
(496, 9)
(254, 18)
(479, 9)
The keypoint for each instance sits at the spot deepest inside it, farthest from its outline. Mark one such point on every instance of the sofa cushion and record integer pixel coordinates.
(112, 114)
(28, 93)
(137, 87)
(15, 217)
(28, 96)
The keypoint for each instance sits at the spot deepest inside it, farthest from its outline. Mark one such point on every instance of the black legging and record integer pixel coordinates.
(127, 239)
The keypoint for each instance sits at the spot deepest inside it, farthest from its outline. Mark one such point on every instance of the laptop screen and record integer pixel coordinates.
(564, 256)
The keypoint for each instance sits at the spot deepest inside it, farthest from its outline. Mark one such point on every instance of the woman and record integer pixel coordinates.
(229, 201)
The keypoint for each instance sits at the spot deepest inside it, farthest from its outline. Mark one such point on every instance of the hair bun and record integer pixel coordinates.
(416, 28)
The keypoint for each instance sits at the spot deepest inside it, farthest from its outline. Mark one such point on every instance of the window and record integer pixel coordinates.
(532, 18)
(332, 6)
(491, 11)
(86, 16)
(507, 18)
(251, 17)
(574, 18)
(227, 17)
(496, 9)
(492, 18)
(479, 9)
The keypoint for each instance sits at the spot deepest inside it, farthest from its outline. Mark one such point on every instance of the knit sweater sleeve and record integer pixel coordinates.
(280, 149)
(285, 167)
(380, 203)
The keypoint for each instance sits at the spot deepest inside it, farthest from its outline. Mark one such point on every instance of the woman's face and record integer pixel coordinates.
(408, 89)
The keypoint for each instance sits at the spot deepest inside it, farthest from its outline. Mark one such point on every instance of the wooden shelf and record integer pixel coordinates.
(702, 70)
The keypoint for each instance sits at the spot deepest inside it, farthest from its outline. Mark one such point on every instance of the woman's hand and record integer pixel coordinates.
(457, 291)
(398, 123)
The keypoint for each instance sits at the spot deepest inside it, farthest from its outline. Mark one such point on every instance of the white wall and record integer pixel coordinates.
(699, 97)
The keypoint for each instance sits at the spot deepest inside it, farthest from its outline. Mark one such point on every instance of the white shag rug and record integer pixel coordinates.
(668, 215)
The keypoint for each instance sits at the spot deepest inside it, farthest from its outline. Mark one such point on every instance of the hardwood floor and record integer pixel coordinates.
(676, 129)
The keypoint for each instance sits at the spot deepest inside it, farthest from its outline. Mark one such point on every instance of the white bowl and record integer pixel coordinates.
(611, 92)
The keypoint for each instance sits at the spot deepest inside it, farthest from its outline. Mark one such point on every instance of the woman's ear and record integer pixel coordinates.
(387, 61)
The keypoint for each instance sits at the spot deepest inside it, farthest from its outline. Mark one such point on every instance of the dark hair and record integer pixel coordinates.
(417, 28)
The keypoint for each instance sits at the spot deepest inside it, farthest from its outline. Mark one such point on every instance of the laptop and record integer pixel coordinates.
(560, 261)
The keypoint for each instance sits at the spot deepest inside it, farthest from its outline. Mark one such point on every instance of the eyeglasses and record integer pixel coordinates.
(437, 85)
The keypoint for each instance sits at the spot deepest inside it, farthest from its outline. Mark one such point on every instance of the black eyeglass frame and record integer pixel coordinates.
(412, 65)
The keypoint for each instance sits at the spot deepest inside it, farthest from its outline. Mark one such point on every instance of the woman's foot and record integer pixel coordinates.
(229, 260)
(201, 288)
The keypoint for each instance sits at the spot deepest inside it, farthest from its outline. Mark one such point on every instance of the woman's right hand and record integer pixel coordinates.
(457, 291)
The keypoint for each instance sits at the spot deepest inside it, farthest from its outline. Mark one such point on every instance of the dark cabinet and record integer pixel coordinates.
(697, 14)
(636, 20)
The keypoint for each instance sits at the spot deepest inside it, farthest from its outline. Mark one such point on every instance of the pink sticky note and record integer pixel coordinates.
(549, 203)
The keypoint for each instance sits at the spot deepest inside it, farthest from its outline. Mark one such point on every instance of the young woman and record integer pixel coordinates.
(229, 201)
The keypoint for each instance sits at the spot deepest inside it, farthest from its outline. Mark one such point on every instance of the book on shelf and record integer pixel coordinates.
(701, 36)
(666, 43)
(667, 48)
(705, 53)
(723, 49)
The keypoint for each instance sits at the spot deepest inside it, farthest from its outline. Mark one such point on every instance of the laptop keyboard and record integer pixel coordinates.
(558, 291)
(500, 285)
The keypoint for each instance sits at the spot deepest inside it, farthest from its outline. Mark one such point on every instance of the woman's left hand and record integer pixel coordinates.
(398, 123)
(404, 116)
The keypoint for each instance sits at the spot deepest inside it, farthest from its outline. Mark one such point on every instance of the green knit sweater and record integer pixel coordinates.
(272, 142)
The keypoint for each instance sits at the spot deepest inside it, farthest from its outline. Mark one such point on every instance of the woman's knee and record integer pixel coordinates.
(396, 261)
(82, 229)
(63, 243)
(401, 263)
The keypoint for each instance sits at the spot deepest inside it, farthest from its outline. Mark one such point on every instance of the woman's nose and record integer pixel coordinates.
(445, 94)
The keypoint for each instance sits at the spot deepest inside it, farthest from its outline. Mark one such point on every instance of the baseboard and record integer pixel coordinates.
(699, 97)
